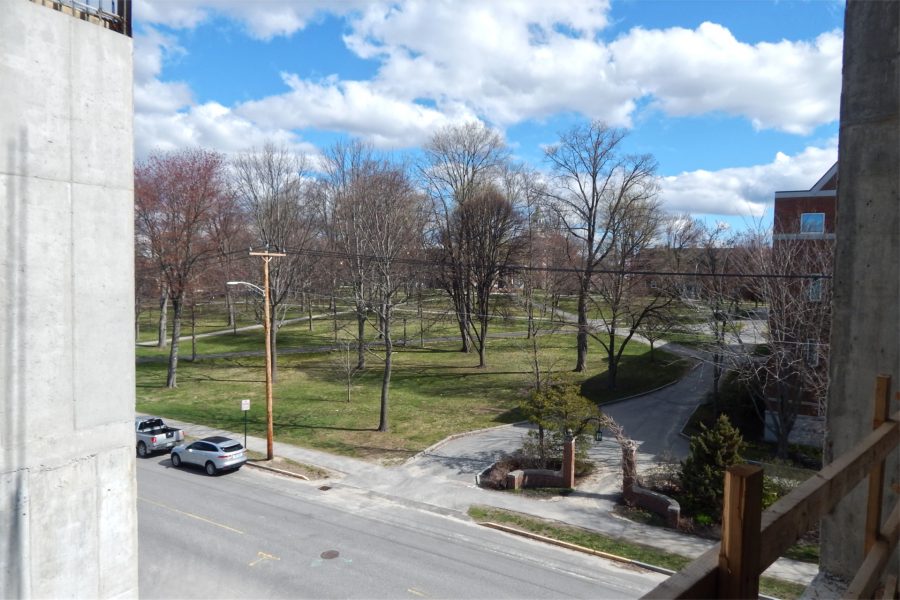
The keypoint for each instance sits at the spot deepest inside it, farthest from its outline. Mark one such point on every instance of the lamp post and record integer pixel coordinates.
(267, 325)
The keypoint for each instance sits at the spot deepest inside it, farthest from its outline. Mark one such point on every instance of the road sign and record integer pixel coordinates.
(245, 404)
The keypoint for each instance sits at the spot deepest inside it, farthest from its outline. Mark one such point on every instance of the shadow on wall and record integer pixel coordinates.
(13, 582)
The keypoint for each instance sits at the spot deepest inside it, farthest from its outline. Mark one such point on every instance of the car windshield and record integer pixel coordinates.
(232, 448)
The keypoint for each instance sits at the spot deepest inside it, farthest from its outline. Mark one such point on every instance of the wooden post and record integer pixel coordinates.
(739, 557)
(876, 475)
(267, 327)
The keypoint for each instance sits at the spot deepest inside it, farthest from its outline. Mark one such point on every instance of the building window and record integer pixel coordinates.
(812, 223)
(811, 353)
(814, 290)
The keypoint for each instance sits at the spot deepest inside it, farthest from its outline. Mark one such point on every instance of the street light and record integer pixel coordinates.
(267, 326)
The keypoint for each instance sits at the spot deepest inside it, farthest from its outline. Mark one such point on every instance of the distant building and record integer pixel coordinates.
(808, 214)
(804, 231)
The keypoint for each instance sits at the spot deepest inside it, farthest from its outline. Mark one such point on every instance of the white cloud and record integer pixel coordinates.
(746, 191)
(504, 62)
(151, 49)
(352, 106)
(263, 19)
(792, 86)
(209, 125)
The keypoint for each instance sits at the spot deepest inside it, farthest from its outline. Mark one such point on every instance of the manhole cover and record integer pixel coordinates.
(325, 488)
(328, 554)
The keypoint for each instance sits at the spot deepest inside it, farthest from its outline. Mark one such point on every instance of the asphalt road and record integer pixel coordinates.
(251, 534)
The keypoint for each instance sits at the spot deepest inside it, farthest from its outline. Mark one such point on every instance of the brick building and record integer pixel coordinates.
(803, 239)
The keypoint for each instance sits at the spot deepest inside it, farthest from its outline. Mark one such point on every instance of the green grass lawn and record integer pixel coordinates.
(610, 545)
(435, 391)
(434, 324)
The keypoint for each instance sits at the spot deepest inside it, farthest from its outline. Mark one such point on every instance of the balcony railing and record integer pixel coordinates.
(111, 14)
(752, 540)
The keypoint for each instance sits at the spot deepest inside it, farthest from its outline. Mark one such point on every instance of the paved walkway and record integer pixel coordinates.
(442, 479)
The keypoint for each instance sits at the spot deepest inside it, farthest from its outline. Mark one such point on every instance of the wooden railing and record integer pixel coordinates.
(752, 540)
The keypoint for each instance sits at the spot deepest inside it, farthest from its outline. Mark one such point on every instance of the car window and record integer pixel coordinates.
(232, 448)
(205, 447)
(194, 446)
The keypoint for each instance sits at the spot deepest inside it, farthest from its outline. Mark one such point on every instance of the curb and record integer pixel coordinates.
(577, 548)
(456, 436)
(582, 549)
(274, 470)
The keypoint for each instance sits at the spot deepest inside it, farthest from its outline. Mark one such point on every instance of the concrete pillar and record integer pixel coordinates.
(866, 326)
(68, 521)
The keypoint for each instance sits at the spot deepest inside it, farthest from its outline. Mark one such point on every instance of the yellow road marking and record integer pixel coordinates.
(192, 515)
(416, 592)
(261, 556)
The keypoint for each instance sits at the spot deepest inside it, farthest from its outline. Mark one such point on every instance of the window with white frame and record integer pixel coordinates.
(812, 223)
(814, 290)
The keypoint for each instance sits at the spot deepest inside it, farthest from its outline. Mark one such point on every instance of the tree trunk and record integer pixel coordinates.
(582, 339)
(482, 342)
(137, 321)
(386, 379)
(612, 370)
(193, 332)
(171, 375)
(529, 308)
(309, 311)
(229, 306)
(629, 471)
(163, 312)
(361, 337)
(334, 318)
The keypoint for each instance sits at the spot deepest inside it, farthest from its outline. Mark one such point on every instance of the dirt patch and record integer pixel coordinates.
(291, 466)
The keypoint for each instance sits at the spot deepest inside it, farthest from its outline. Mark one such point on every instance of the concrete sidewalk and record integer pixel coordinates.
(441, 479)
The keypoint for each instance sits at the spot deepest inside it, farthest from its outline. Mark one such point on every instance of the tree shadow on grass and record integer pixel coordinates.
(283, 426)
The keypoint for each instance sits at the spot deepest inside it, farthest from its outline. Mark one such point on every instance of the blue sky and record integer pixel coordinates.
(735, 99)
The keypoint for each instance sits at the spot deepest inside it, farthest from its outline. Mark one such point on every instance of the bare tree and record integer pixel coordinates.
(230, 232)
(175, 197)
(489, 234)
(719, 295)
(342, 357)
(457, 161)
(271, 185)
(594, 183)
(793, 278)
(347, 165)
(390, 232)
(625, 300)
(525, 189)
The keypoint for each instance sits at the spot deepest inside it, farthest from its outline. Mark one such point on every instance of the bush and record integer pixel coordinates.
(703, 472)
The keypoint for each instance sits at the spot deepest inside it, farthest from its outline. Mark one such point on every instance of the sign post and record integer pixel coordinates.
(245, 406)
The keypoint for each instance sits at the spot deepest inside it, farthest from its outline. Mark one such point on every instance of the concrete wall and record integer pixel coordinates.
(68, 522)
(866, 322)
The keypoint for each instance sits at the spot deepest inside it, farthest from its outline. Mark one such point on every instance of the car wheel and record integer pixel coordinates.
(142, 449)
(176, 460)
(210, 468)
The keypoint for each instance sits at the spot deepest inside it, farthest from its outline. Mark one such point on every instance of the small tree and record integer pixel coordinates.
(703, 472)
(555, 410)
(344, 360)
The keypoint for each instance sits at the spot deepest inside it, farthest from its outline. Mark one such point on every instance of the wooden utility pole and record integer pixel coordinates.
(267, 327)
